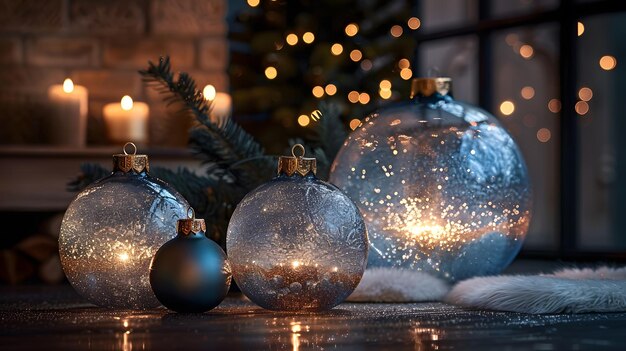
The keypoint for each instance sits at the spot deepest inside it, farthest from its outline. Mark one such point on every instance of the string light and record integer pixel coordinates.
(292, 39)
(581, 28)
(527, 92)
(414, 23)
(396, 31)
(507, 107)
(544, 135)
(355, 123)
(318, 91)
(384, 84)
(608, 62)
(353, 96)
(554, 105)
(356, 55)
(331, 89)
(308, 37)
(582, 107)
(404, 63)
(254, 3)
(406, 73)
(385, 94)
(336, 49)
(271, 72)
(585, 94)
(304, 120)
(364, 98)
(526, 51)
(352, 29)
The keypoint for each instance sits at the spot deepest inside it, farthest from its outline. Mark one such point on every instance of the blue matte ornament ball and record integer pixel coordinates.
(190, 273)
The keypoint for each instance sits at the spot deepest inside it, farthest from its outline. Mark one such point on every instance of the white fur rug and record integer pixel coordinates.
(567, 291)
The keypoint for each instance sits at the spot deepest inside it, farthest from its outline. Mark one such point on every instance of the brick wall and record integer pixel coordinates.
(102, 43)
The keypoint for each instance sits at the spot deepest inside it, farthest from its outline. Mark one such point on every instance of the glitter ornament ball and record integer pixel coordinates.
(190, 273)
(113, 228)
(443, 188)
(296, 242)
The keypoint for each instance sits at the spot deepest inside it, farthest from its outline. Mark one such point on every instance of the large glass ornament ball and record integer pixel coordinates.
(442, 186)
(297, 243)
(110, 233)
(190, 273)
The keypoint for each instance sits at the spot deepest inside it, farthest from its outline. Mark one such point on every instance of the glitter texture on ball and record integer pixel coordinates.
(111, 231)
(296, 242)
(443, 188)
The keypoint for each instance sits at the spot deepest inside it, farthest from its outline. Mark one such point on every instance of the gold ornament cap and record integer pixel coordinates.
(191, 224)
(429, 86)
(130, 162)
(301, 165)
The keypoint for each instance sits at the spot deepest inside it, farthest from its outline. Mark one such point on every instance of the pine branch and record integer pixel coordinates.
(224, 143)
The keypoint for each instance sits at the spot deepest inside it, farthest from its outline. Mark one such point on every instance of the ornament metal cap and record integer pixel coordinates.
(130, 162)
(429, 86)
(291, 165)
(191, 224)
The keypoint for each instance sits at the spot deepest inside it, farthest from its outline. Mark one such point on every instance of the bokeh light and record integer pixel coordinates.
(582, 107)
(581, 28)
(544, 135)
(304, 120)
(526, 51)
(406, 73)
(331, 89)
(396, 31)
(292, 39)
(414, 23)
(271, 72)
(353, 96)
(554, 105)
(585, 93)
(318, 91)
(507, 107)
(404, 63)
(336, 49)
(254, 3)
(364, 98)
(356, 55)
(308, 37)
(352, 29)
(608, 62)
(355, 123)
(527, 92)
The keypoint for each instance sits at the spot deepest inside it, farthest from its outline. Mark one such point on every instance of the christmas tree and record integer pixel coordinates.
(287, 56)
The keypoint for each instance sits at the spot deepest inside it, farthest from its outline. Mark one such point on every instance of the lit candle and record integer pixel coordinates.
(68, 119)
(127, 120)
(220, 103)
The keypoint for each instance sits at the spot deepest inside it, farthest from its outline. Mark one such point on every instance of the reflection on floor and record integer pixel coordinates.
(56, 318)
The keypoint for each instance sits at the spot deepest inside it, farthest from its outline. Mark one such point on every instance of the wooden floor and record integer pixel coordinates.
(56, 318)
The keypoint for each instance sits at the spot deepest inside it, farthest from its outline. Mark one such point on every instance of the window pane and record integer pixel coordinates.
(444, 14)
(601, 122)
(455, 58)
(525, 92)
(505, 8)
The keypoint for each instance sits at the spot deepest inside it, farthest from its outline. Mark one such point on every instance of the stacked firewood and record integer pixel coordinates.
(35, 258)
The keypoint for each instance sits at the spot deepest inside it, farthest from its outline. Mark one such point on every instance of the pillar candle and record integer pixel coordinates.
(221, 103)
(127, 120)
(68, 118)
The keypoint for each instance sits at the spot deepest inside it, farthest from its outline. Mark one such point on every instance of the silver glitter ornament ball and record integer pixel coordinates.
(296, 242)
(442, 186)
(111, 231)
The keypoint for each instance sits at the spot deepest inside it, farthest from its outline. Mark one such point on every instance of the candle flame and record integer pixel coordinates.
(123, 256)
(127, 103)
(209, 92)
(68, 85)
(295, 264)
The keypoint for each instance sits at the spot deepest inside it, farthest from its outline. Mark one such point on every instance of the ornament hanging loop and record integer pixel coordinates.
(130, 162)
(298, 147)
(131, 144)
(191, 224)
(297, 163)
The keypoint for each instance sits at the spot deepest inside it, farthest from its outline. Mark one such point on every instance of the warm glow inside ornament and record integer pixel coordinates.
(296, 242)
(190, 273)
(443, 188)
(113, 228)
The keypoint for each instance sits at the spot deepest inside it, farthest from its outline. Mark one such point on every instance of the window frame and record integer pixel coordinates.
(566, 15)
